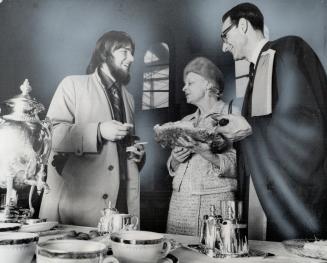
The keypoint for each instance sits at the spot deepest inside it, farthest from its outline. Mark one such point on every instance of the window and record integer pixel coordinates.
(156, 77)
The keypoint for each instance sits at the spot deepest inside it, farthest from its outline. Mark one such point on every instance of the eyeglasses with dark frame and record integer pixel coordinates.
(225, 32)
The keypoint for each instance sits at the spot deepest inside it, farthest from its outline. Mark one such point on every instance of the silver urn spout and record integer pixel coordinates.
(25, 143)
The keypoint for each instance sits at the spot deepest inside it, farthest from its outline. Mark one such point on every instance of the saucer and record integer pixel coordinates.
(39, 227)
(9, 227)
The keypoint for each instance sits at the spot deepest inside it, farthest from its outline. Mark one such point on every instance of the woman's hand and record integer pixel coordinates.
(193, 146)
(179, 155)
(201, 148)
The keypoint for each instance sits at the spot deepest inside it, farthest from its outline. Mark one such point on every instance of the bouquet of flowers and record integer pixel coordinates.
(224, 128)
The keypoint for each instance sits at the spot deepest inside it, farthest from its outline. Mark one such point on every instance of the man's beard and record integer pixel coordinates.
(119, 75)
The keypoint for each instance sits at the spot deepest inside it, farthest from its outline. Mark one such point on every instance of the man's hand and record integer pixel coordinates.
(114, 130)
(136, 152)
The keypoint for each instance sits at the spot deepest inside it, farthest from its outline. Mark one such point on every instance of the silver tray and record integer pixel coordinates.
(252, 252)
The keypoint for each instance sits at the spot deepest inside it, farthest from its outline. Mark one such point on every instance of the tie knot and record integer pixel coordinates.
(251, 67)
(114, 89)
(117, 85)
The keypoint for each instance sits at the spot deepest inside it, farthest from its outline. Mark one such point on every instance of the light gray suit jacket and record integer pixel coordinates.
(91, 172)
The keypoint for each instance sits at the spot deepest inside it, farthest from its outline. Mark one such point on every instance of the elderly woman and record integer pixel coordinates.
(201, 177)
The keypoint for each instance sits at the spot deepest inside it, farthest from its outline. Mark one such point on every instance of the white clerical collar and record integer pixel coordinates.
(257, 49)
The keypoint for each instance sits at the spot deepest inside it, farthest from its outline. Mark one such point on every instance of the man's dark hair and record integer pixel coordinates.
(106, 44)
(248, 11)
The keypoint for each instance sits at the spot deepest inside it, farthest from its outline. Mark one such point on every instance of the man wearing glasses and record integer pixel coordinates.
(286, 105)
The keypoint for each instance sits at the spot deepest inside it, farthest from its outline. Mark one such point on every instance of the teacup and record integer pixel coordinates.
(123, 222)
(17, 247)
(73, 251)
(139, 246)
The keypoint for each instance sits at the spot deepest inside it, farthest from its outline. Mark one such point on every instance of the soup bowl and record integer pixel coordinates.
(139, 246)
(17, 247)
(9, 227)
(73, 251)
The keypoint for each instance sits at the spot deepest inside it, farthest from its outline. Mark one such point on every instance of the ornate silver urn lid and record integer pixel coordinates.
(23, 107)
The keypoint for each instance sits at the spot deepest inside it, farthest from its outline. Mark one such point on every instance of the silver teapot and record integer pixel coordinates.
(223, 237)
(104, 225)
(25, 143)
(112, 221)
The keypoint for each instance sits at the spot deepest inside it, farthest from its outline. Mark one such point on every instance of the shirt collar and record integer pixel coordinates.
(106, 80)
(256, 51)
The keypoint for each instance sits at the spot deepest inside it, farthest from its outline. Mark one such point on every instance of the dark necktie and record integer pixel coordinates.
(119, 114)
(251, 72)
(116, 100)
(246, 109)
(113, 91)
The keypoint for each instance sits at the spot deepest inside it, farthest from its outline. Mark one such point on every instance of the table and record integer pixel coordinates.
(185, 255)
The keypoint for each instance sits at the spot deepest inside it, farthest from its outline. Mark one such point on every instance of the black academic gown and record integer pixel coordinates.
(286, 154)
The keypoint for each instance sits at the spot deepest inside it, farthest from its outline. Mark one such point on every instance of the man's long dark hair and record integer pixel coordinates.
(248, 11)
(105, 45)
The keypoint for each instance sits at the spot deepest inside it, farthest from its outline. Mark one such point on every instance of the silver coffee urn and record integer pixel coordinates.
(25, 143)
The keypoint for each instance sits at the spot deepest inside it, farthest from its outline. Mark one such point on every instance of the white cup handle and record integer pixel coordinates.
(110, 259)
(165, 251)
(136, 222)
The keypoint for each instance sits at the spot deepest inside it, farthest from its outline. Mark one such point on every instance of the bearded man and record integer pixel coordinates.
(92, 117)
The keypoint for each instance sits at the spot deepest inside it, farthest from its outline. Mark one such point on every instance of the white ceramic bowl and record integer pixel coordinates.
(17, 247)
(139, 246)
(38, 227)
(73, 251)
(9, 227)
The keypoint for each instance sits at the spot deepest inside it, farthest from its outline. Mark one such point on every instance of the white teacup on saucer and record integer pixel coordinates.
(139, 246)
